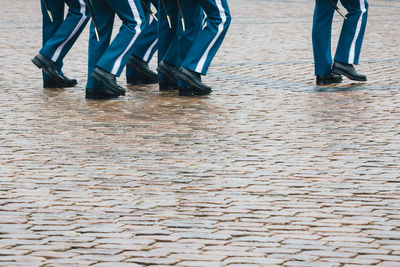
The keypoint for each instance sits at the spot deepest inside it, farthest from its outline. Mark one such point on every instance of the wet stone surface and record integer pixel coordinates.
(267, 170)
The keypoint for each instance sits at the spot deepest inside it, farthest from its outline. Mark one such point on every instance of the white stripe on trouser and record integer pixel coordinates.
(136, 16)
(148, 52)
(77, 27)
(357, 33)
(202, 61)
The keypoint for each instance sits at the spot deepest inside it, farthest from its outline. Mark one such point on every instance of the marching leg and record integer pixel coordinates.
(59, 38)
(167, 31)
(137, 68)
(351, 39)
(113, 57)
(321, 40)
(50, 27)
(105, 21)
(206, 44)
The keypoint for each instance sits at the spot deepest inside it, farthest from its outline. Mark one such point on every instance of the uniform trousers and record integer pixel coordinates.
(351, 36)
(113, 56)
(147, 43)
(60, 35)
(195, 47)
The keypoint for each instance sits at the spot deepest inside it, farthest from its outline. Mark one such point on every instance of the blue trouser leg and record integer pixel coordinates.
(183, 40)
(117, 54)
(49, 28)
(105, 21)
(57, 10)
(208, 41)
(165, 34)
(321, 36)
(146, 44)
(68, 31)
(352, 34)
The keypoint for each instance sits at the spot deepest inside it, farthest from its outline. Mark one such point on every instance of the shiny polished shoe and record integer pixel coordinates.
(56, 84)
(329, 79)
(168, 70)
(50, 68)
(348, 70)
(147, 76)
(167, 85)
(109, 81)
(194, 79)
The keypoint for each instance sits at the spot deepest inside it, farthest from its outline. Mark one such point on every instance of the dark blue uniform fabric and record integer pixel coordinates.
(207, 41)
(195, 47)
(180, 44)
(147, 43)
(60, 35)
(112, 57)
(351, 36)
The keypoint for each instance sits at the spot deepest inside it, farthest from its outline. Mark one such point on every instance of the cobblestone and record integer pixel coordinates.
(268, 170)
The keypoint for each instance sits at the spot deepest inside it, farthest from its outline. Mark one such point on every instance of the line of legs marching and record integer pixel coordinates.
(186, 33)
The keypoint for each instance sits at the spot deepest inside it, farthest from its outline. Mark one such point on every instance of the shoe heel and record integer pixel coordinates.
(97, 77)
(37, 63)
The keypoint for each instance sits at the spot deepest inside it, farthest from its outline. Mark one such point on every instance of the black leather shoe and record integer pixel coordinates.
(109, 81)
(142, 67)
(50, 68)
(192, 91)
(347, 70)
(54, 84)
(99, 93)
(167, 85)
(329, 79)
(194, 79)
(168, 70)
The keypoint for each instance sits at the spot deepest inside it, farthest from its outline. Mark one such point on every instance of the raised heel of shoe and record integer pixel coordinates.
(37, 62)
(97, 77)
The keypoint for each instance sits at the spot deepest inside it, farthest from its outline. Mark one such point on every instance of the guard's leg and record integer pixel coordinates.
(105, 21)
(208, 41)
(321, 36)
(353, 30)
(168, 21)
(117, 54)
(137, 69)
(351, 39)
(205, 46)
(184, 39)
(66, 34)
(167, 14)
(49, 27)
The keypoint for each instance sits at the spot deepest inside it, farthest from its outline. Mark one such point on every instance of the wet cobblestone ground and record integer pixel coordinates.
(267, 170)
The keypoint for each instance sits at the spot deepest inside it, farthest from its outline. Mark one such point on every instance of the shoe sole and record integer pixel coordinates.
(191, 92)
(164, 88)
(328, 83)
(339, 72)
(99, 97)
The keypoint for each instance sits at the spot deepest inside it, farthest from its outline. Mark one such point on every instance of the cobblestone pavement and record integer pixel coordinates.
(267, 170)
